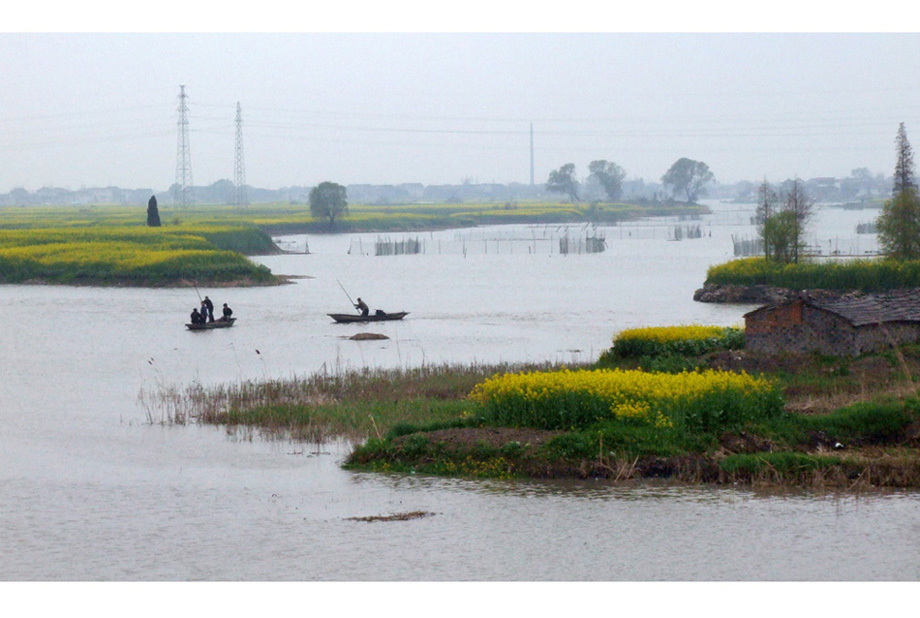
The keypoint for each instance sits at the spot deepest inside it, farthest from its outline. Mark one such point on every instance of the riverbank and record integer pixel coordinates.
(756, 280)
(846, 424)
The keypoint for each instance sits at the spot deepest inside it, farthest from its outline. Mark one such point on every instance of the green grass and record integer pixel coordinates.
(122, 255)
(870, 275)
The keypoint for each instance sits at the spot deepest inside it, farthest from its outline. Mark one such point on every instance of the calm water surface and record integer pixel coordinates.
(91, 490)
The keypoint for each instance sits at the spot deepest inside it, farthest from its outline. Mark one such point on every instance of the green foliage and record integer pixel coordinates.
(696, 402)
(784, 463)
(327, 201)
(128, 255)
(610, 176)
(688, 177)
(899, 226)
(861, 275)
(680, 341)
(563, 181)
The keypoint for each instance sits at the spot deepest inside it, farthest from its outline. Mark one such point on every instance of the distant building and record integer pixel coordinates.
(845, 326)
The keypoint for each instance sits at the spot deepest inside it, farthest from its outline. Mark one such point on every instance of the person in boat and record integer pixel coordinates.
(362, 307)
(209, 306)
(227, 312)
(196, 317)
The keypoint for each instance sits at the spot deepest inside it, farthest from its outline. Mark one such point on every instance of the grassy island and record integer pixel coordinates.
(111, 245)
(684, 403)
(864, 275)
(141, 256)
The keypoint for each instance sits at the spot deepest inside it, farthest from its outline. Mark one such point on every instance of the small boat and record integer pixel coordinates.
(344, 318)
(219, 323)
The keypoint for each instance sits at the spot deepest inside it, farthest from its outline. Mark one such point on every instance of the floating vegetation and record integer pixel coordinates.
(394, 517)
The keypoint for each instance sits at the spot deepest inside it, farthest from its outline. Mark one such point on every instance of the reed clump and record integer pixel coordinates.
(349, 404)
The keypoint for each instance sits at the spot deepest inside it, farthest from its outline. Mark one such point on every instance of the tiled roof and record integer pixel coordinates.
(895, 306)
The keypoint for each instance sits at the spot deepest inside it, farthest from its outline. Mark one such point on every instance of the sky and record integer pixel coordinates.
(387, 96)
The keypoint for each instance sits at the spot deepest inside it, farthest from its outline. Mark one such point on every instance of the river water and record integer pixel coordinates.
(92, 487)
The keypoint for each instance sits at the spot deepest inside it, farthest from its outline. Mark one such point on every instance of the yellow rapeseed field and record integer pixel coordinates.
(571, 399)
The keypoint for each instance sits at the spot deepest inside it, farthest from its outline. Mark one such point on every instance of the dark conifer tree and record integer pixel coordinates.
(904, 169)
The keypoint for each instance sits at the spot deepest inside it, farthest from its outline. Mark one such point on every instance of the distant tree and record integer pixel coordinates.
(780, 229)
(327, 201)
(782, 220)
(800, 207)
(904, 168)
(153, 213)
(899, 222)
(688, 177)
(899, 226)
(767, 208)
(563, 181)
(610, 176)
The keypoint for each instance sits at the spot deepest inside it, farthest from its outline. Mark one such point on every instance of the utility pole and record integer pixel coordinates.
(531, 154)
(239, 173)
(183, 155)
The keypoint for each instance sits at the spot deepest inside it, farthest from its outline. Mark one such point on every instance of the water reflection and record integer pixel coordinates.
(90, 489)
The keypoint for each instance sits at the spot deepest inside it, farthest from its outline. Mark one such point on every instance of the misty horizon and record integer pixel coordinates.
(98, 110)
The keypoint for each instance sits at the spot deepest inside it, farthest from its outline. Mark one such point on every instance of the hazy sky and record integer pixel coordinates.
(96, 109)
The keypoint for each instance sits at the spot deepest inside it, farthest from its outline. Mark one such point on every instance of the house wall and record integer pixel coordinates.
(875, 337)
(800, 329)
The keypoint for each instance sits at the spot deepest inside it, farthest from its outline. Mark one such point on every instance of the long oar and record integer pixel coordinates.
(346, 293)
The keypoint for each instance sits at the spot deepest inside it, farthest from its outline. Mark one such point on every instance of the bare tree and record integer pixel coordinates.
(766, 209)
(800, 207)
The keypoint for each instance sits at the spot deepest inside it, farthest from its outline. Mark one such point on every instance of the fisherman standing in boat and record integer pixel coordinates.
(210, 309)
(362, 307)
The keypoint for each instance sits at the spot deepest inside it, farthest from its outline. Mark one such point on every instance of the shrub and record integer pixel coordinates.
(691, 340)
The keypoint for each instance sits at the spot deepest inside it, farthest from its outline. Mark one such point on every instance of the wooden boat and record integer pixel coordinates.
(344, 318)
(219, 323)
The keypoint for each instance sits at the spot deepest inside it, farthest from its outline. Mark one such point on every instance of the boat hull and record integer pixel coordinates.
(348, 318)
(212, 325)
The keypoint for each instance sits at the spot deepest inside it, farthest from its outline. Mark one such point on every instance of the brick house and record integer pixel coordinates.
(845, 326)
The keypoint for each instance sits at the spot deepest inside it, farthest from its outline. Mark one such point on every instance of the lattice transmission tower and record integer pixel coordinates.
(240, 198)
(184, 195)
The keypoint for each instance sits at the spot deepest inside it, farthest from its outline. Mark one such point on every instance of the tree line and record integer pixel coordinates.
(782, 216)
(686, 178)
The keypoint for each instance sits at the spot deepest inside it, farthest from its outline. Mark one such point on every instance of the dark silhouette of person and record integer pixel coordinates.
(196, 317)
(227, 313)
(209, 306)
(153, 213)
(362, 307)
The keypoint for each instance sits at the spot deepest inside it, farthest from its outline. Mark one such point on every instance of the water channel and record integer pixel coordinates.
(91, 489)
